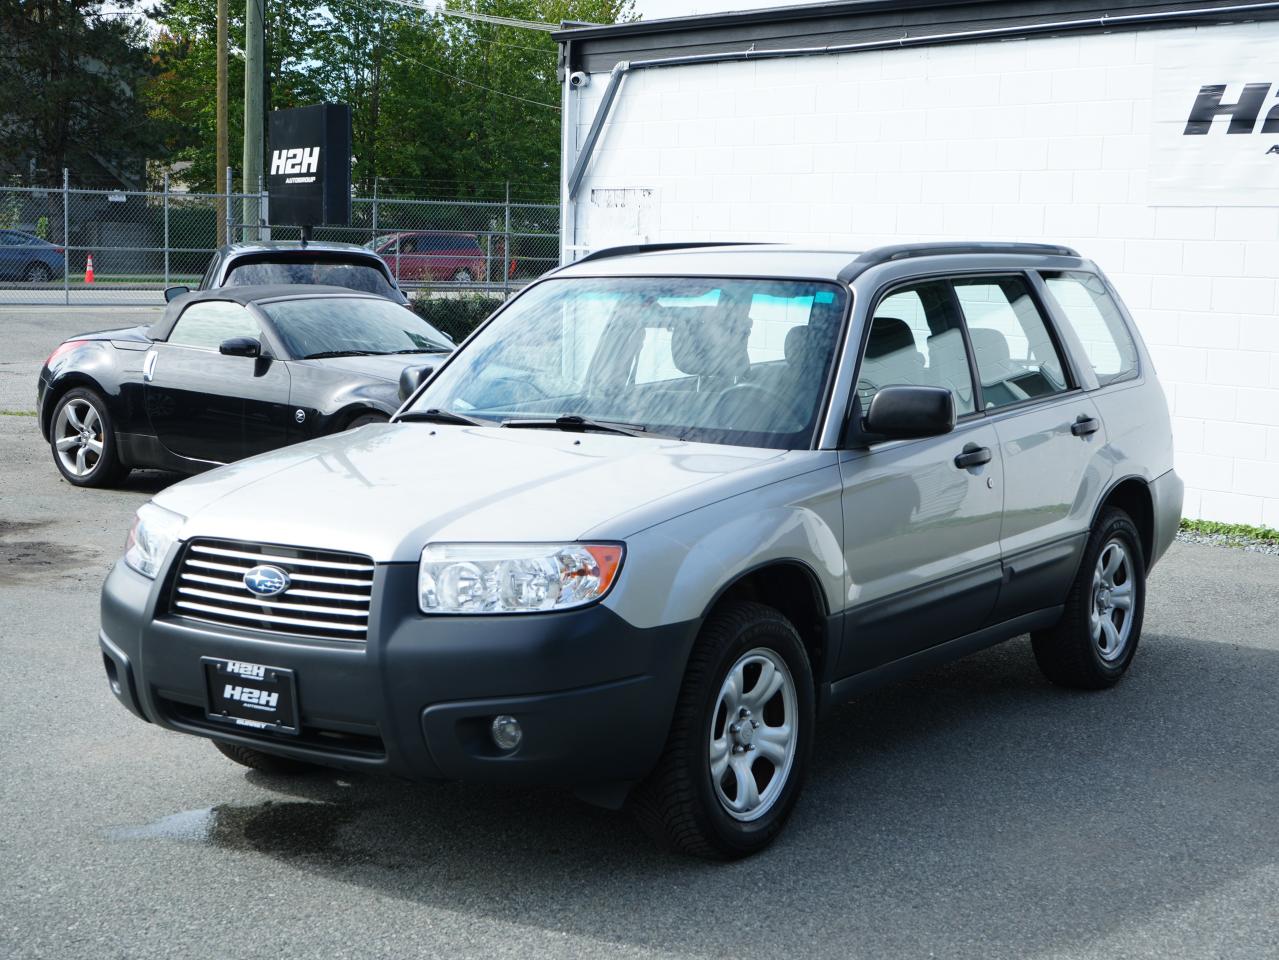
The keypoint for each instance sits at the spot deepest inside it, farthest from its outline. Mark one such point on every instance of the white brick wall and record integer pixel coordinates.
(1044, 139)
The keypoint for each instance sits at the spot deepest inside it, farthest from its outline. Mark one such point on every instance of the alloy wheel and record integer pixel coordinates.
(753, 734)
(1112, 600)
(79, 437)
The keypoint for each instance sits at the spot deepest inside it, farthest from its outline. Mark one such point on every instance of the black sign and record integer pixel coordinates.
(309, 169)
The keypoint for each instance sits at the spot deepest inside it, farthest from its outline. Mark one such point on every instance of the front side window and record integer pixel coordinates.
(1092, 314)
(915, 339)
(1015, 355)
(320, 326)
(717, 360)
(206, 325)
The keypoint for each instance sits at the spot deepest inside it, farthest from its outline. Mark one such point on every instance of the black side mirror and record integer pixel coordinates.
(907, 412)
(172, 293)
(240, 347)
(411, 378)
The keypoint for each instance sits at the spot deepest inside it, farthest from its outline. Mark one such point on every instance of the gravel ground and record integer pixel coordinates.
(973, 812)
(1249, 544)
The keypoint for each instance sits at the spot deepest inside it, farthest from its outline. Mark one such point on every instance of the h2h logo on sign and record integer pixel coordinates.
(1214, 134)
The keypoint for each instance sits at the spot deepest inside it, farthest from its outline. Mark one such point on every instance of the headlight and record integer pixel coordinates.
(154, 531)
(514, 577)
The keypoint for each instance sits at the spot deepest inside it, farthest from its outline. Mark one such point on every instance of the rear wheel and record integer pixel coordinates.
(262, 762)
(464, 276)
(82, 439)
(1096, 639)
(739, 744)
(38, 273)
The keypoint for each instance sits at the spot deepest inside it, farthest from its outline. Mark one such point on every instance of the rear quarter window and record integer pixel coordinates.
(1087, 306)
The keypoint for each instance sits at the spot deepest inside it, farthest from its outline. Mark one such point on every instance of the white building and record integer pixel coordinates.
(1144, 134)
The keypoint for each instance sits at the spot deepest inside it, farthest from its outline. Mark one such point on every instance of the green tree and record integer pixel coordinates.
(69, 83)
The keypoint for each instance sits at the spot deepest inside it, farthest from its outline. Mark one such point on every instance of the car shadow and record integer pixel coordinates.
(971, 812)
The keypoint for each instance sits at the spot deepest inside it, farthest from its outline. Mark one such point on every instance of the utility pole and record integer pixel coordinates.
(224, 154)
(254, 81)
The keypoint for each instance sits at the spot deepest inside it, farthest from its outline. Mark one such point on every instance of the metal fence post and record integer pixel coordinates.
(66, 236)
(506, 247)
(263, 231)
(230, 221)
(166, 228)
(374, 236)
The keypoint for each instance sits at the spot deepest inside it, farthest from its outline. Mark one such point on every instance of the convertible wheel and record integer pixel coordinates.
(83, 441)
(1096, 639)
(38, 273)
(739, 744)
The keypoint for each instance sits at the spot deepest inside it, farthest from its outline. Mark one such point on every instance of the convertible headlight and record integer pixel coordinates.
(515, 577)
(154, 530)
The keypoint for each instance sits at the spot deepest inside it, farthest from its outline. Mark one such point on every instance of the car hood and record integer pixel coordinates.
(380, 367)
(136, 334)
(386, 490)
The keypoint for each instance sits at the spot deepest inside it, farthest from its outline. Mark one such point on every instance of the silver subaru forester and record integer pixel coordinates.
(657, 514)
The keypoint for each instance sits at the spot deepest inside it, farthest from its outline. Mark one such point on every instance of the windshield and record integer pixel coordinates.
(351, 325)
(732, 361)
(362, 276)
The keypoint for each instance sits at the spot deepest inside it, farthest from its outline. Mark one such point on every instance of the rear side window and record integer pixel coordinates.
(1093, 315)
(1015, 354)
(206, 325)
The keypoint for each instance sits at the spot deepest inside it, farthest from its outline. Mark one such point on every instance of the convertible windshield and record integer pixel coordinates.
(732, 361)
(324, 326)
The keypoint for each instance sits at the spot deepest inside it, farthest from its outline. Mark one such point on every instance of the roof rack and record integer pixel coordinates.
(629, 249)
(904, 251)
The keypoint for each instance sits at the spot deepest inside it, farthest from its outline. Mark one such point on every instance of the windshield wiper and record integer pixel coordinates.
(572, 423)
(391, 353)
(327, 354)
(436, 415)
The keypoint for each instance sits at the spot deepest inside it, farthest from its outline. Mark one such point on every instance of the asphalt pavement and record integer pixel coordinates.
(974, 812)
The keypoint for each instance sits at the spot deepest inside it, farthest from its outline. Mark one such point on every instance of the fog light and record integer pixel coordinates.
(506, 732)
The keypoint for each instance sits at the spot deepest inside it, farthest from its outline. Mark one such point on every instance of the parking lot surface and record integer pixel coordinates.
(973, 812)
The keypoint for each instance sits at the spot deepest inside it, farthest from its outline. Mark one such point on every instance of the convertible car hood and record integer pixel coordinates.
(136, 334)
(382, 367)
(386, 490)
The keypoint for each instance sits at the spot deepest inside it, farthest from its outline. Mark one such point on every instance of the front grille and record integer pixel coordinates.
(328, 595)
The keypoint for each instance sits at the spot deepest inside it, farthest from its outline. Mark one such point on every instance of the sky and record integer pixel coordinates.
(660, 9)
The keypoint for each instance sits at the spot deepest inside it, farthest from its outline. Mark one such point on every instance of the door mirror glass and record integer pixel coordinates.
(172, 293)
(240, 347)
(411, 378)
(907, 412)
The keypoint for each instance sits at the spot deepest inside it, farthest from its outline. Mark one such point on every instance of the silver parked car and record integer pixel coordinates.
(660, 512)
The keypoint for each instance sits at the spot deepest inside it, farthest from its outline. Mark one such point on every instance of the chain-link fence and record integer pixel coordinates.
(92, 246)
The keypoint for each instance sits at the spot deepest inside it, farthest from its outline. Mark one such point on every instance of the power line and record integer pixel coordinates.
(481, 17)
(453, 76)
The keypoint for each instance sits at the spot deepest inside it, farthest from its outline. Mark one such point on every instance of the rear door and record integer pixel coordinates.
(921, 530)
(209, 407)
(1050, 438)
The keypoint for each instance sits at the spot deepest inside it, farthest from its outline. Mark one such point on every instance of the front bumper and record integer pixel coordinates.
(594, 694)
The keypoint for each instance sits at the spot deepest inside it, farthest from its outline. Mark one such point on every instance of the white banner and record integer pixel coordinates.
(1215, 113)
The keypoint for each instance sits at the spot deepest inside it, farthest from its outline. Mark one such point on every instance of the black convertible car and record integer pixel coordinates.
(226, 374)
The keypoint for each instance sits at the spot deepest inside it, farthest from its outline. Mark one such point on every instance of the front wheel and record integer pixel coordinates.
(1093, 645)
(464, 276)
(82, 439)
(739, 744)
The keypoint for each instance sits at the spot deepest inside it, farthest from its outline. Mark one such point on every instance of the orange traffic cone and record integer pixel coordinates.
(88, 270)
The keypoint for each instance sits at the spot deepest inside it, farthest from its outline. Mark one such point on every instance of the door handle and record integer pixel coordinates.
(972, 456)
(148, 366)
(1083, 426)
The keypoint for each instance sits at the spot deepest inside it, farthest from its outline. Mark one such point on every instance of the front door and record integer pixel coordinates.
(921, 528)
(1050, 436)
(208, 407)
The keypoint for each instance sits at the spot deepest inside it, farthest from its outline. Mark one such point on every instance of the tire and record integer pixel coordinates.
(681, 803)
(464, 276)
(263, 762)
(38, 273)
(364, 419)
(1080, 651)
(82, 440)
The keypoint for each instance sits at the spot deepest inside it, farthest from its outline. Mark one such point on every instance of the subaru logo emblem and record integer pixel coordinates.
(266, 581)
